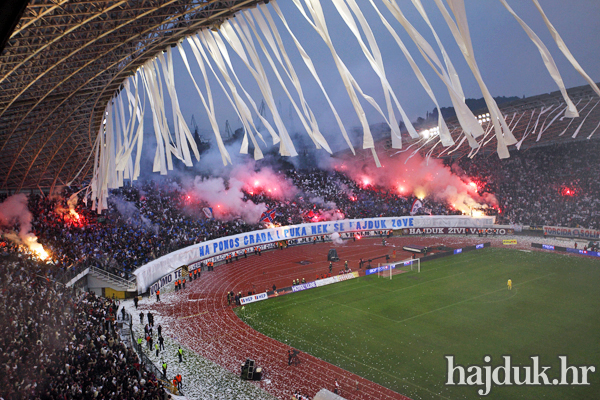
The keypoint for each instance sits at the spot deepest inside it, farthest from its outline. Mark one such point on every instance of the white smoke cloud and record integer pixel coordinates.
(264, 180)
(420, 177)
(131, 214)
(227, 201)
(14, 211)
(336, 239)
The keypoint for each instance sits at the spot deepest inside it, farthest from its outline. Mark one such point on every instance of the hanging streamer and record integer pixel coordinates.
(311, 127)
(309, 64)
(237, 103)
(149, 80)
(543, 128)
(582, 122)
(375, 59)
(210, 109)
(349, 82)
(124, 162)
(221, 57)
(565, 50)
(232, 32)
(454, 79)
(315, 133)
(548, 61)
(140, 137)
(542, 112)
(460, 31)
(571, 121)
(443, 128)
(122, 126)
(467, 120)
(526, 133)
(183, 136)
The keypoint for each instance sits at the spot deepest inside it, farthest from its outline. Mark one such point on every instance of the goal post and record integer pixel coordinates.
(398, 267)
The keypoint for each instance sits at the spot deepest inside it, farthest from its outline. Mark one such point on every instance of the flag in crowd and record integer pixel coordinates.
(416, 205)
(268, 216)
(208, 212)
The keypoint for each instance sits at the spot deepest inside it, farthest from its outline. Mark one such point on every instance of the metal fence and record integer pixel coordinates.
(144, 360)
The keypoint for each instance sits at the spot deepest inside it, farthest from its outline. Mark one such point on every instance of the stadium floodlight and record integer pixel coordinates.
(427, 133)
(400, 267)
(483, 118)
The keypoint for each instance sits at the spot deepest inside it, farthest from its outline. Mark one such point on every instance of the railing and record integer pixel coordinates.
(77, 277)
(144, 360)
(130, 285)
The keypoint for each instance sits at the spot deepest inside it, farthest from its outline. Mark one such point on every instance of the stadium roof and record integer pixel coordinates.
(534, 121)
(60, 63)
(62, 60)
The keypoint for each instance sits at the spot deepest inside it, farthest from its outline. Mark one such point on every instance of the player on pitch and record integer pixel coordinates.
(509, 283)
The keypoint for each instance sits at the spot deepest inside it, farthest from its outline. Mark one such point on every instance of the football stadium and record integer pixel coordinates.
(305, 199)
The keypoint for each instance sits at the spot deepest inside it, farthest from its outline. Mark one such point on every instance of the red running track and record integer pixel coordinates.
(201, 320)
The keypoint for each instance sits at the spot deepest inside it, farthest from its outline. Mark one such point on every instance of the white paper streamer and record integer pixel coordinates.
(548, 61)
(309, 64)
(232, 32)
(210, 109)
(183, 136)
(240, 105)
(157, 106)
(544, 127)
(594, 131)
(219, 53)
(460, 31)
(443, 128)
(571, 121)
(376, 61)
(307, 117)
(565, 50)
(449, 66)
(464, 115)
(582, 122)
(349, 82)
(527, 133)
(236, 102)
(124, 158)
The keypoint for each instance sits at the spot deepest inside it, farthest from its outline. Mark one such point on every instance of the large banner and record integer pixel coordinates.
(576, 233)
(218, 248)
(456, 231)
(166, 279)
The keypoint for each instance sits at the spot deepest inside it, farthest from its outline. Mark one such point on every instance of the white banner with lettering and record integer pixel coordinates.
(154, 270)
(579, 233)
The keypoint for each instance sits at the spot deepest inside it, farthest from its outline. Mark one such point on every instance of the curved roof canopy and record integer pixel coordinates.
(61, 64)
(61, 61)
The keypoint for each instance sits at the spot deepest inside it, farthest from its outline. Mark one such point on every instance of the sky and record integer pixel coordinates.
(509, 62)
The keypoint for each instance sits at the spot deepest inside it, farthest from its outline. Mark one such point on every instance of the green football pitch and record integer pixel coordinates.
(397, 332)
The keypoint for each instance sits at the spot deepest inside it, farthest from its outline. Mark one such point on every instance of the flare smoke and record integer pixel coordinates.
(419, 177)
(14, 211)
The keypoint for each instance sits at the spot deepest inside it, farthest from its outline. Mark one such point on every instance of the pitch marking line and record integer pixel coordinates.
(353, 360)
(472, 298)
(441, 308)
(195, 315)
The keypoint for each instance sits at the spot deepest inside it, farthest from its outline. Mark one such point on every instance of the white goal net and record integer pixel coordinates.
(399, 267)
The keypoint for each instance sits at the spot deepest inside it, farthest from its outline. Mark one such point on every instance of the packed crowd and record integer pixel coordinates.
(327, 195)
(556, 185)
(550, 185)
(148, 220)
(55, 344)
(58, 344)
